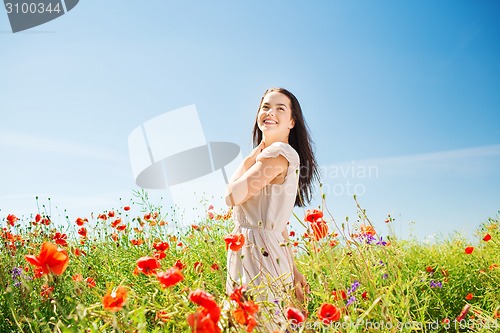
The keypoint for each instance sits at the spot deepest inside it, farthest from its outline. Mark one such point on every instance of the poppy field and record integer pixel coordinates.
(132, 269)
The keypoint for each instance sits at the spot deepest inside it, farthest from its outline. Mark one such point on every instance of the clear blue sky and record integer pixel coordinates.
(405, 94)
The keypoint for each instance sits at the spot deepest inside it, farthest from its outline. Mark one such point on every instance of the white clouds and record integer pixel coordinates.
(465, 162)
(465, 153)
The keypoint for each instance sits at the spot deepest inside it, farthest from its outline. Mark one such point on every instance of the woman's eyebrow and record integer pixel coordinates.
(279, 104)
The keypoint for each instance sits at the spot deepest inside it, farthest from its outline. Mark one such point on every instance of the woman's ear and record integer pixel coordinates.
(292, 124)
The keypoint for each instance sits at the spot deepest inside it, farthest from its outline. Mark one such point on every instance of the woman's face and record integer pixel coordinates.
(275, 115)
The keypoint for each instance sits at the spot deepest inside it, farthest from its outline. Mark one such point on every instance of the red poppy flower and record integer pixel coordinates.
(320, 229)
(487, 237)
(116, 222)
(50, 259)
(126, 208)
(295, 315)
(111, 213)
(90, 282)
(121, 227)
(79, 221)
(82, 232)
(38, 272)
(339, 294)
(77, 277)
(237, 294)
(147, 265)
(179, 265)
(234, 242)
(60, 239)
(162, 315)
(46, 291)
(79, 252)
(469, 249)
(161, 246)
(312, 215)
(160, 255)
(202, 322)
(137, 242)
(364, 295)
(367, 230)
(429, 269)
(115, 299)
(244, 314)
(207, 301)
(469, 296)
(38, 218)
(170, 277)
(215, 267)
(328, 312)
(197, 266)
(12, 219)
(103, 217)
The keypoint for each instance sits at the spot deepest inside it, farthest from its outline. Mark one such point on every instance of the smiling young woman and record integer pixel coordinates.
(276, 176)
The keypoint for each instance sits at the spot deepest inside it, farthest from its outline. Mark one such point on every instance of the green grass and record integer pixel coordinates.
(394, 281)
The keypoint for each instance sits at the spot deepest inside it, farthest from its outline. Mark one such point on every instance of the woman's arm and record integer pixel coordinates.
(255, 178)
(247, 162)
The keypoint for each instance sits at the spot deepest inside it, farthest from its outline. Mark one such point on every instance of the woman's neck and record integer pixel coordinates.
(270, 140)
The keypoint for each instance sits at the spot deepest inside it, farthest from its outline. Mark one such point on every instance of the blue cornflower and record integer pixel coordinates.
(351, 300)
(16, 272)
(381, 242)
(436, 284)
(369, 238)
(16, 275)
(385, 276)
(355, 285)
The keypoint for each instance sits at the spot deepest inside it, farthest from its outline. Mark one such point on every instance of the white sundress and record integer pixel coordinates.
(264, 262)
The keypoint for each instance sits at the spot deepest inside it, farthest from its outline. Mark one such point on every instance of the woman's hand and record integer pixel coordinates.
(252, 157)
(301, 286)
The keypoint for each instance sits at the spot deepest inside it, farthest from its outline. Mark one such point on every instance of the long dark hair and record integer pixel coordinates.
(301, 141)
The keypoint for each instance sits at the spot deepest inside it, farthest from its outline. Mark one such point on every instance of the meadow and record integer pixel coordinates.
(118, 271)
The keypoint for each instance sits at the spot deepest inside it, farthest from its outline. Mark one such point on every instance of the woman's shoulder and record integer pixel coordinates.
(281, 148)
(285, 147)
